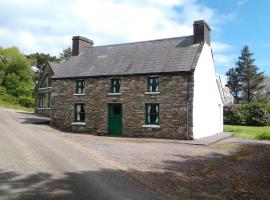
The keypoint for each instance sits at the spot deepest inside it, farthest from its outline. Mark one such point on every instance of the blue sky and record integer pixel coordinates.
(47, 25)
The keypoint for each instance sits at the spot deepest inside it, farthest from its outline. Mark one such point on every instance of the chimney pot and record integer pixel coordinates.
(79, 43)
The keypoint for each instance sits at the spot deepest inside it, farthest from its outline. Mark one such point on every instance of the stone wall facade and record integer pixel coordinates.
(175, 105)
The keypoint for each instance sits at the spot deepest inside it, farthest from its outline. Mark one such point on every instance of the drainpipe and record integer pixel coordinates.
(187, 106)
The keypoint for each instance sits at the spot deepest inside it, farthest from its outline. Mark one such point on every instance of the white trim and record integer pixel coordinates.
(49, 108)
(78, 123)
(152, 93)
(79, 94)
(44, 88)
(41, 108)
(114, 94)
(150, 126)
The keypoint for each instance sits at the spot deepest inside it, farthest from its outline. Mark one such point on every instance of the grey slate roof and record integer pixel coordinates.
(155, 56)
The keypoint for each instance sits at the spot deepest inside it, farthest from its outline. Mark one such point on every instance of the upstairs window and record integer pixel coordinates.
(80, 84)
(153, 84)
(115, 85)
(152, 114)
(79, 112)
(41, 100)
(46, 82)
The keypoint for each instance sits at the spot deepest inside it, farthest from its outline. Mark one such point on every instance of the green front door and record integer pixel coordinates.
(115, 119)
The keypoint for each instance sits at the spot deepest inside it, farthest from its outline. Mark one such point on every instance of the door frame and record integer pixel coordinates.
(108, 123)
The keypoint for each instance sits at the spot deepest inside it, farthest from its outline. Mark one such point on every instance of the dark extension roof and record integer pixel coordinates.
(156, 56)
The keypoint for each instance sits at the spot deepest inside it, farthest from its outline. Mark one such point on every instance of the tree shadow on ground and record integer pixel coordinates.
(86, 185)
(244, 174)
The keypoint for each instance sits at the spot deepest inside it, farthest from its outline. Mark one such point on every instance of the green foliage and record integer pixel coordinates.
(244, 81)
(39, 60)
(3, 90)
(26, 101)
(9, 98)
(251, 114)
(15, 73)
(258, 114)
(65, 54)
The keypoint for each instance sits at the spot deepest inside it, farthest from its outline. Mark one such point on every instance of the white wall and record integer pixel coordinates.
(207, 102)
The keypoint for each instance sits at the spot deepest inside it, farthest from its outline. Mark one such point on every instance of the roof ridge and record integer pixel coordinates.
(142, 41)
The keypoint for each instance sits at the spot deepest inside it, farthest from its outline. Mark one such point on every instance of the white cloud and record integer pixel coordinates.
(221, 47)
(47, 26)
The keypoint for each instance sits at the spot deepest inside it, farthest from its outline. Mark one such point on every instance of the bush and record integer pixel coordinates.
(258, 114)
(3, 90)
(252, 114)
(234, 115)
(28, 102)
(9, 98)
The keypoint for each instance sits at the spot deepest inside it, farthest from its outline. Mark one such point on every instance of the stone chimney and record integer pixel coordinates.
(201, 32)
(79, 43)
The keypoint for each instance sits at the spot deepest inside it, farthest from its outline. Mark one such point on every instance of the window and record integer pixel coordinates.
(80, 86)
(49, 100)
(115, 85)
(79, 112)
(46, 82)
(152, 114)
(153, 84)
(41, 100)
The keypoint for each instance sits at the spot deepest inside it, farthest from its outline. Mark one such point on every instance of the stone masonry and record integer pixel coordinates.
(173, 87)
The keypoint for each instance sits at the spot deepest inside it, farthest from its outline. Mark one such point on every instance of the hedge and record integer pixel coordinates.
(251, 114)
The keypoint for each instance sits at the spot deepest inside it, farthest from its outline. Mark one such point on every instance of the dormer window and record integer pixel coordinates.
(80, 84)
(115, 85)
(153, 84)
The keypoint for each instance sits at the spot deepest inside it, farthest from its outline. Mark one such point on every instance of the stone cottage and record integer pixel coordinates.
(162, 88)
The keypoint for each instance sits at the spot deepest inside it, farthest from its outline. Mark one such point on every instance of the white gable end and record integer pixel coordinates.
(207, 102)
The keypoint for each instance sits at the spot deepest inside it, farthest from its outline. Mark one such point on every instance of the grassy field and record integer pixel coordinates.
(249, 132)
(4, 104)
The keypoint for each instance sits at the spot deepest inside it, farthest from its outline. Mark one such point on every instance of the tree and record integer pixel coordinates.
(65, 54)
(39, 60)
(16, 74)
(234, 83)
(244, 79)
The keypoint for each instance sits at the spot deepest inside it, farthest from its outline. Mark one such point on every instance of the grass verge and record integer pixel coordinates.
(249, 132)
(5, 104)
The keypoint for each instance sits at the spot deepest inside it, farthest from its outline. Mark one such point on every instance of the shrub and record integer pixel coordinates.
(258, 114)
(2, 90)
(234, 115)
(9, 98)
(26, 101)
(252, 114)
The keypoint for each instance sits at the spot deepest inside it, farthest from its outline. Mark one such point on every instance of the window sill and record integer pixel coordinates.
(78, 94)
(151, 126)
(78, 123)
(44, 88)
(152, 93)
(114, 94)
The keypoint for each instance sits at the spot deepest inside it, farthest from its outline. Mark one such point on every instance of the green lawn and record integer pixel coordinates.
(4, 104)
(250, 132)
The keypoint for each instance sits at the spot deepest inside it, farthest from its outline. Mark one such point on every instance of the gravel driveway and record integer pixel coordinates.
(168, 167)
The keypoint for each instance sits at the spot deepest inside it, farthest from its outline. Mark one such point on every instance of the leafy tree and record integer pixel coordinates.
(39, 60)
(244, 79)
(16, 73)
(234, 83)
(65, 54)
